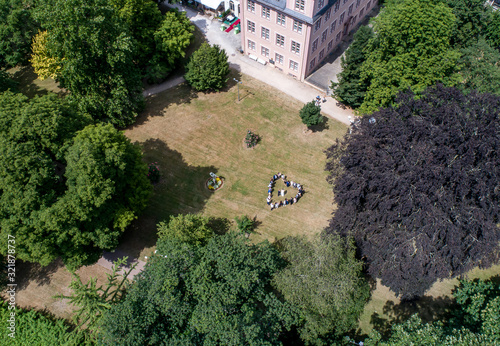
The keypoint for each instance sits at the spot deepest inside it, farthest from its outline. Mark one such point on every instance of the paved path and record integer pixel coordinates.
(108, 258)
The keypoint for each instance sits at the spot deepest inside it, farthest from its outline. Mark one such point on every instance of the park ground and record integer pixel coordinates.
(191, 134)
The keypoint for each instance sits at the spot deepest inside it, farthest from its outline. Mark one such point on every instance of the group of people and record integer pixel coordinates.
(318, 100)
(282, 192)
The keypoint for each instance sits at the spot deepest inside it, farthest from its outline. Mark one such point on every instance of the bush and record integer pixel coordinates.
(310, 114)
(154, 172)
(251, 139)
(207, 68)
(245, 224)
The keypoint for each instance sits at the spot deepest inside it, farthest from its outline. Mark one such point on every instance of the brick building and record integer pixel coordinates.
(296, 35)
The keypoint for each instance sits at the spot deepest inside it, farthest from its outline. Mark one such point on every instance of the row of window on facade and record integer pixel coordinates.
(279, 59)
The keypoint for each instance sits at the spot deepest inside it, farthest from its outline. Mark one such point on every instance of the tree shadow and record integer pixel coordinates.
(429, 309)
(323, 125)
(25, 78)
(27, 272)
(181, 190)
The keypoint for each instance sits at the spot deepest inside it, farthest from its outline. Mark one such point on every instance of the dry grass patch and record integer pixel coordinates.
(191, 134)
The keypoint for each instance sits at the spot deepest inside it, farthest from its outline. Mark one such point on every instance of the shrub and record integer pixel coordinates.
(310, 114)
(207, 68)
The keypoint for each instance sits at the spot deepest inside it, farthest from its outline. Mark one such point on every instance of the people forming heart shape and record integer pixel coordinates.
(282, 192)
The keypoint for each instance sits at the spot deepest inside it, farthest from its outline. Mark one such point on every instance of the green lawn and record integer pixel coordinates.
(192, 134)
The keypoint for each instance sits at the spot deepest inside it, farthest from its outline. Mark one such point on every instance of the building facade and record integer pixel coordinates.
(297, 35)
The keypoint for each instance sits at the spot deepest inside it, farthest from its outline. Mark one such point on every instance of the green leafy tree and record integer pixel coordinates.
(472, 19)
(480, 68)
(411, 49)
(492, 30)
(6, 82)
(218, 294)
(172, 38)
(35, 328)
(96, 55)
(311, 114)
(63, 195)
(17, 27)
(245, 224)
(351, 89)
(190, 228)
(92, 301)
(324, 281)
(207, 68)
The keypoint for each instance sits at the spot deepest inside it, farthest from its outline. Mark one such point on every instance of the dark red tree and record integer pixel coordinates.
(418, 186)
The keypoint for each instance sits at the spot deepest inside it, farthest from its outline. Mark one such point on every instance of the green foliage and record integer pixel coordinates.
(6, 83)
(34, 328)
(473, 17)
(92, 301)
(492, 30)
(17, 27)
(207, 68)
(476, 321)
(154, 172)
(64, 195)
(311, 114)
(172, 39)
(218, 294)
(351, 89)
(190, 228)
(480, 68)
(251, 139)
(245, 224)
(96, 54)
(411, 49)
(324, 281)
(43, 63)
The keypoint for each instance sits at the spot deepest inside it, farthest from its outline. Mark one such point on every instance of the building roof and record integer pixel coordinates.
(214, 4)
(280, 5)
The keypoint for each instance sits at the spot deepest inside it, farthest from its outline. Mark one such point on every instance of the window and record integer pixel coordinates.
(295, 47)
(349, 12)
(323, 35)
(281, 19)
(299, 5)
(317, 25)
(266, 12)
(280, 40)
(265, 33)
(251, 6)
(368, 4)
(251, 45)
(332, 27)
(354, 19)
(337, 38)
(328, 14)
(315, 45)
(297, 27)
(264, 51)
(336, 8)
(251, 26)
(231, 5)
(330, 45)
(321, 54)
(312, 63)
(361, 12)
(341, 19)
(357, 3)
(294, 65)
(321, 3)
(343, 2)
(279, 59)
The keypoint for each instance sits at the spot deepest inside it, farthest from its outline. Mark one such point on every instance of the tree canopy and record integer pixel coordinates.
(64, 193)
(311, 114)
(189, 228)
(417, 186)
(96, 54)
(324, 281)
(207, 68)
(214, 294)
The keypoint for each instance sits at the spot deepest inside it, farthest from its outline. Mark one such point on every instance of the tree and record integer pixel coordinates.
(478, 310)
(35, 328)
(417, 187)
(96, 56)
(311, 114)
(411, 49)
(190, 228)
(6, 82)
(44, 65)
(480, 69)
(172, 38)
(245, 225)
(472, 18)
(324, 281)
(207, 68)
(350, 88)
(61, 194)
(17, 27)
(214, 294)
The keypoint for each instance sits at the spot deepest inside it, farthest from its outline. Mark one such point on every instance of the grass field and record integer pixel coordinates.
(192, 134)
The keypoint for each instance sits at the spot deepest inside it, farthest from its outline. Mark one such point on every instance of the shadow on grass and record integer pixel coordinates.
(181, 190)
(323, 125)
(27, 273)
